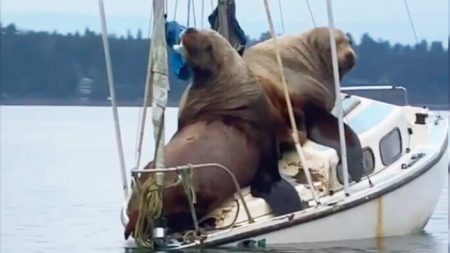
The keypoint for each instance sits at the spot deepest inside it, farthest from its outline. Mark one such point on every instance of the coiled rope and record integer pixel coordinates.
(151, 204)
(150, 209)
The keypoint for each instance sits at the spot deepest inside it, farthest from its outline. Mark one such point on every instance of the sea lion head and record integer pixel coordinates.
(320, 39)
(206, 51)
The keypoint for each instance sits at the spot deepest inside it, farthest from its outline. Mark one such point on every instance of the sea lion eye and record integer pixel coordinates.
(209, 48)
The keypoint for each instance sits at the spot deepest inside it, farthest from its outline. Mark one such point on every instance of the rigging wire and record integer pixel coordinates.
(281, 16)
(203, 13)
(193, 14)
(141, 117)
(411, 21)
(311, 14)
(147, 92)
(166, 7)
(175, 10)
(188, 13)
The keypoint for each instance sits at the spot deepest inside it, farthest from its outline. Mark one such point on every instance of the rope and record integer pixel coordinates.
(411, 21)
(311, 14)
(139, 132)
(175, 10)
(151, 204)
(281, 16)
(166, 6)
(193, 14)
(186, 181)
(202, 13)
(288, 102)
(238, 207)
(147, 92)
(190, 2)
(188, 13)
(150, 208)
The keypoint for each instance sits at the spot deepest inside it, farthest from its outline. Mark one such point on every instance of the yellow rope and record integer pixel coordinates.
(150, 208)
(186, 180)
(151, 204)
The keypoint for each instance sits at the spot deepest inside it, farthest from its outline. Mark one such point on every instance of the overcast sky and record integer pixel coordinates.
(385, 19)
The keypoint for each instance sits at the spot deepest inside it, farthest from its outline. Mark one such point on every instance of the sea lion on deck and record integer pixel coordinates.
(224, 118)
(307, 67)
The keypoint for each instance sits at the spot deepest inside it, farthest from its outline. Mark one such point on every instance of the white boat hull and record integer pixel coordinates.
(394, 213)
(401, 200)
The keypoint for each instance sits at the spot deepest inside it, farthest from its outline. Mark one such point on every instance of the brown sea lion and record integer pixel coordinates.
(224, 119)
(307, 67)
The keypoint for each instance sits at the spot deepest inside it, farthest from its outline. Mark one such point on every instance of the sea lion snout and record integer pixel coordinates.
(190, 30)
(191, 39)
(348, 60)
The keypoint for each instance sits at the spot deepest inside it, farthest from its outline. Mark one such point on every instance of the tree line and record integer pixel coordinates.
(49, 68)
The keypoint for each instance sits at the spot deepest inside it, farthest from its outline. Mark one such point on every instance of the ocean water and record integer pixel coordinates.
(60, 186)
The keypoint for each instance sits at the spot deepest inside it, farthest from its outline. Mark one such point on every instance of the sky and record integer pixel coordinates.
(381, 19)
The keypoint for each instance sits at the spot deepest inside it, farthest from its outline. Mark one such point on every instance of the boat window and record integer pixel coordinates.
(368, 163)
(391, 147)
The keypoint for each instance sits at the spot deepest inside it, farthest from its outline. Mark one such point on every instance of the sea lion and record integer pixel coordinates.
(224, 119)
(307, 67)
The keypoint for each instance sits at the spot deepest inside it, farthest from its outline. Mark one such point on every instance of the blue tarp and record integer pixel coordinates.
(177, 65)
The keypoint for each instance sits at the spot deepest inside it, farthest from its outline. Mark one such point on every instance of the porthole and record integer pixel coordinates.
(368, 161)
(368, 165)
(391, 147)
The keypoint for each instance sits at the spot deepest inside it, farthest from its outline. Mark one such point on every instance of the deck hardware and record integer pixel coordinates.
(410, 131)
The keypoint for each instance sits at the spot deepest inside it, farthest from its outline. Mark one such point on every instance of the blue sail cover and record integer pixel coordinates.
(176, 61)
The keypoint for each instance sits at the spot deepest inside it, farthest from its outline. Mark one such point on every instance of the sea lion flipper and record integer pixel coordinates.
(283, 198)
(322, 127)
(279, 194)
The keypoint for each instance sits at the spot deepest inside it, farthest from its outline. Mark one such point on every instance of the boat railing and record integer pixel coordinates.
(379, 88)
(136, 172)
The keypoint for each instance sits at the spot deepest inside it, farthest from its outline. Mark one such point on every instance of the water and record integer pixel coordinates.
(60, 185)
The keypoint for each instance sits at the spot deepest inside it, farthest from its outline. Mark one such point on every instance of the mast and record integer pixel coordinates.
(112, 93)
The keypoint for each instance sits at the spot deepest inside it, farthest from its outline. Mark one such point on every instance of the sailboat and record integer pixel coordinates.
(405, 161)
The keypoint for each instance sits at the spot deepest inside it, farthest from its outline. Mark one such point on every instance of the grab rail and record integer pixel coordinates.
(378, 87)
(199, 166)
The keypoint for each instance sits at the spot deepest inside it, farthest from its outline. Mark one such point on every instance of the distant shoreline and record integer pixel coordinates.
(78, 102)
(72, 102)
